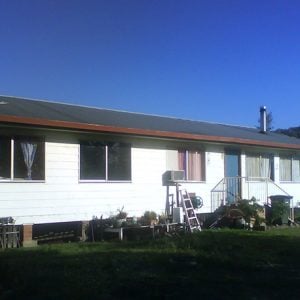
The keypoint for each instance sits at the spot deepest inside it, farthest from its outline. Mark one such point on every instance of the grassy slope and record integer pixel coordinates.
(210, 265)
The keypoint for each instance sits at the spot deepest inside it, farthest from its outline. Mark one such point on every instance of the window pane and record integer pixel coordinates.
(193, 163)
(271, 167)
(119, 161)
(92, 161)
(259, 166)
(29, 159)
(182, 161)
(266, 166)
(252, 166)
(296, 169)
(194, 166)
(5, 158)
(285, 165)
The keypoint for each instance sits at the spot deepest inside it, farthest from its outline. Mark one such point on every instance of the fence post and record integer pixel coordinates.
(26, 236)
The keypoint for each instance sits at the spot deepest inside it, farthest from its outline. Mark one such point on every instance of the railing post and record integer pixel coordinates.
(267, 190)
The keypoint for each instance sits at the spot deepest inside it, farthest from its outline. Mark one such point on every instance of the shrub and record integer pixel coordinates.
(251, 210)
(149, 218)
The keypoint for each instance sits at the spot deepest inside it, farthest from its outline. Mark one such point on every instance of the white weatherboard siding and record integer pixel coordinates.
(214, 173)
(148, 165)
(63, 198)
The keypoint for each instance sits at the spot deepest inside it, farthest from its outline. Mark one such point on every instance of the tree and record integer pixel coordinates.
(270, 121)
(292, 131)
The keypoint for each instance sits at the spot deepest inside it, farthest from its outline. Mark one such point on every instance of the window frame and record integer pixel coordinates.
(187, 152)
(291, 158)
(106, 146)
(260, 156)
(12, 163)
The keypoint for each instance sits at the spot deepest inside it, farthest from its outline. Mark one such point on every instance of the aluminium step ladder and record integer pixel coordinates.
(191, 217)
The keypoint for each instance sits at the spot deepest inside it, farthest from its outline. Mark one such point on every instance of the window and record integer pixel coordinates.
(105, 161)
(259, 166)
(92, 161)
(193, 163)
(5, 158)
(289, 168)
(22, 159)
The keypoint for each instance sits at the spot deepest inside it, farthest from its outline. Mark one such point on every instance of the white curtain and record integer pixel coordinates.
(285, 168)
(296, 169)
(289, 168)
(258, 166)
(252, 166)
(265, 167)
(29, 150)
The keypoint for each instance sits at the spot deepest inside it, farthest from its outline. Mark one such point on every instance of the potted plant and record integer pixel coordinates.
(253, 212)
(149, 218)
(120, 217)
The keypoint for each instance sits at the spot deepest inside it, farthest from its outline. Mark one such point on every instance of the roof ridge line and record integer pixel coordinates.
(125, 111)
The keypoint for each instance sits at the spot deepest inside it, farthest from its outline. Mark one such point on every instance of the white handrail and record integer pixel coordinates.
(230, 189)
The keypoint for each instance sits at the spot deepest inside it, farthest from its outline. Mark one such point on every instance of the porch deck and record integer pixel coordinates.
(231, 189)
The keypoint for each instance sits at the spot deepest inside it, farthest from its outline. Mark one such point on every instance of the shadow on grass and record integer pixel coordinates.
(208, 265)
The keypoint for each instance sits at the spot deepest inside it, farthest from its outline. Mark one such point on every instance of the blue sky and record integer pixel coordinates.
(213, 60)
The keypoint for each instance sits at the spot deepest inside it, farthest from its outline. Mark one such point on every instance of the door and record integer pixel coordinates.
(232, 176)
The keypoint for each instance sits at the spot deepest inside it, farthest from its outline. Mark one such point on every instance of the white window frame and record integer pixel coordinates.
(12, 165)
(186, 168)
(104, 180)
(291, 158)
(260, 156)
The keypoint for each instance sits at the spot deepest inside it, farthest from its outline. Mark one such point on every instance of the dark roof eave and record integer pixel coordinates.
(141, 132)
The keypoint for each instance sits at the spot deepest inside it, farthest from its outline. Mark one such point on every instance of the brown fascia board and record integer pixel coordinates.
(140, 132)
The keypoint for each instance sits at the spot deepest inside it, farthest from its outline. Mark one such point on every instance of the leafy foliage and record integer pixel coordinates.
(292, 131)
(149, 217)
(232, 215)
(251, 209)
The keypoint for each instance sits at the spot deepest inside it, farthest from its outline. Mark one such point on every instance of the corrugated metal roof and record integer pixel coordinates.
(45, 110)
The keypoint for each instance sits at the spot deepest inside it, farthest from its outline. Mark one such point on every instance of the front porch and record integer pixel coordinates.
(231, 189)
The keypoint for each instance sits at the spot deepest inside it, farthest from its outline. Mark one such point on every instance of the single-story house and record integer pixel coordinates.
(62, 162)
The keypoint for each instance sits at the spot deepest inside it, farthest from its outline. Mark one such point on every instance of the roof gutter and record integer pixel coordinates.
(141, 132)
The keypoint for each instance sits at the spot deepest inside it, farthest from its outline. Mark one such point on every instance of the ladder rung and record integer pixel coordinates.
(191, 218)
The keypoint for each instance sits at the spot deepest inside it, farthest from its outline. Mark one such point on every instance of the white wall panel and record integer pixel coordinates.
(63, 198)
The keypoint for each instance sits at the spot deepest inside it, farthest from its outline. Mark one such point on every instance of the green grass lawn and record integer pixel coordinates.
(223, 264)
